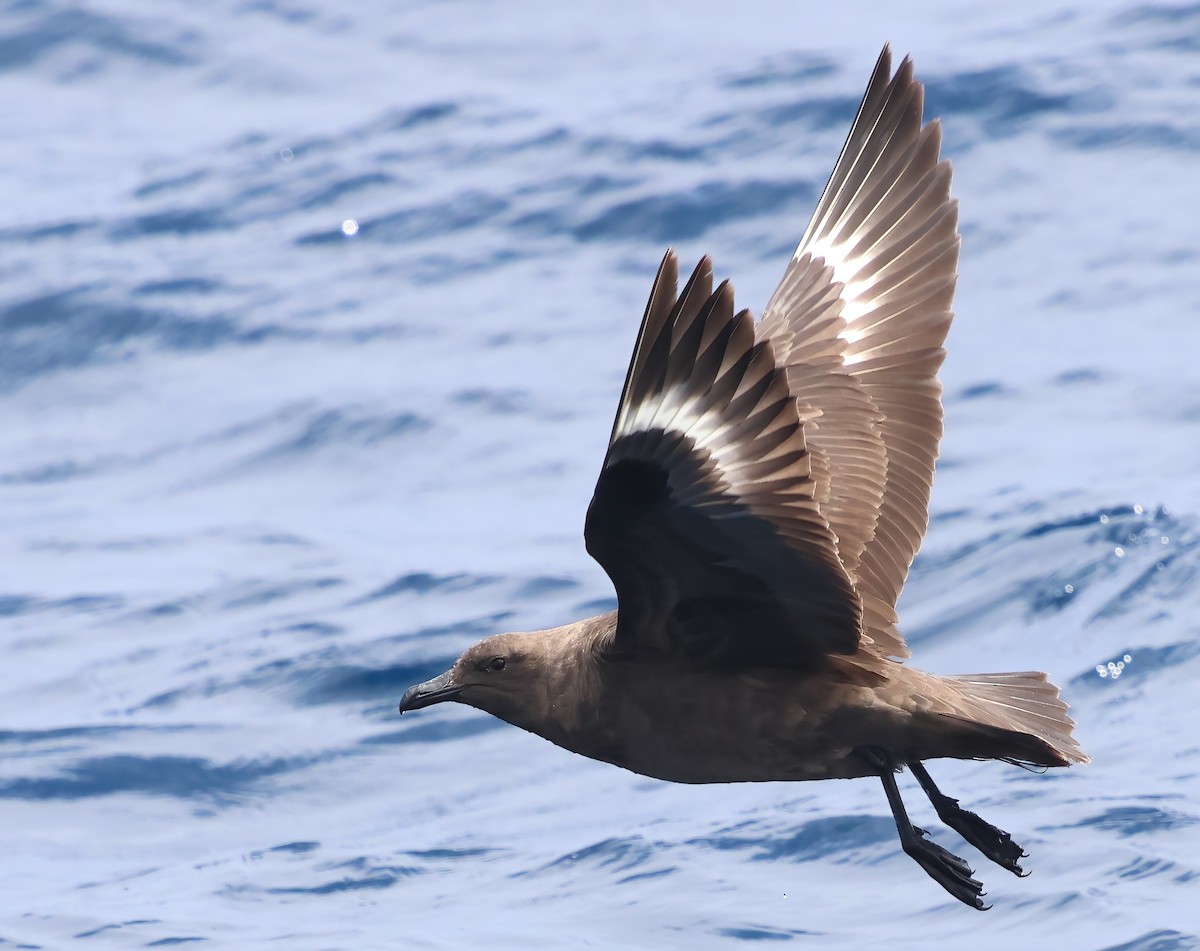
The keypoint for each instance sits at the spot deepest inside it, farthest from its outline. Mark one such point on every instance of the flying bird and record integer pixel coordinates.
(765, 490)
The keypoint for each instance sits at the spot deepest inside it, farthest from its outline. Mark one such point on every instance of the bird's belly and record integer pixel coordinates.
(743, 759)
(729, 731)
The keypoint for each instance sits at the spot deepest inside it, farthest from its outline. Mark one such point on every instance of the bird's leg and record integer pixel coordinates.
(945, 868)
(995, 843)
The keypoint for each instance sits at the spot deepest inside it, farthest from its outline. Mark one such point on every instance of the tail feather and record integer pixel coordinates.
(1026, 703)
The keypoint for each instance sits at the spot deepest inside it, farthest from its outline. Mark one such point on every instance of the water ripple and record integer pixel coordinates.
(182, 777)
(816, 839)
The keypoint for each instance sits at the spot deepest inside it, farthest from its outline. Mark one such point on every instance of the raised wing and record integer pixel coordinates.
(704, 515)
(858, 324)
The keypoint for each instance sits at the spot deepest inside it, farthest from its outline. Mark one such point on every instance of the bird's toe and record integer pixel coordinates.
(994, 843)
(947, 869)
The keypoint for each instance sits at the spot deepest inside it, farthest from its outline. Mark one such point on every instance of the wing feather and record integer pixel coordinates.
(704, 514)
(859, 321)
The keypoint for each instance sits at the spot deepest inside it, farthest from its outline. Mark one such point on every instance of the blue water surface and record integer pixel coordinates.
(313, 319)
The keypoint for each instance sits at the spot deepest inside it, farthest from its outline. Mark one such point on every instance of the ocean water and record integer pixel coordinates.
(313, 318)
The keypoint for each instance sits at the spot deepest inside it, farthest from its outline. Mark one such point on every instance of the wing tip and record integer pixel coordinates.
(883, 64)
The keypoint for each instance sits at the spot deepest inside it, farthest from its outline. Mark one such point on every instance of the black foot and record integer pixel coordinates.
(945, 868)
(994, 843)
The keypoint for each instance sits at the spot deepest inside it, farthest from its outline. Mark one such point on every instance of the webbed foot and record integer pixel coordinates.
(993, 842)
(943, 866)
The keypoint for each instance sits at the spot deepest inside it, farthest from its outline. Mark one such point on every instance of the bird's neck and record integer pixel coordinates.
(572, 682)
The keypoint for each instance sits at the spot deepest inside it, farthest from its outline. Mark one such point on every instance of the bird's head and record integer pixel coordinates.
(503, 675)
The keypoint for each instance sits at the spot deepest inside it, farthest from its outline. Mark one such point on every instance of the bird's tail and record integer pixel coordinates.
(1028, 704)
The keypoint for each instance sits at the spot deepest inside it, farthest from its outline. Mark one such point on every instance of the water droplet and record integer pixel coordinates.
(1137, 510)
(1102, 670)
(286, 155)
(349, 227)
(1166, 540)
(1119, 552)
(1103, 519)
(1069, 588)
(1128, 659)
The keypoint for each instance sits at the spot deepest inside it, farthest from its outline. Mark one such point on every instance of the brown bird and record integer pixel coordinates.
(765, 490)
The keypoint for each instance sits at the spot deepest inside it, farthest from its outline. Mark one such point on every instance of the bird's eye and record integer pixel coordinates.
(496, 663)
